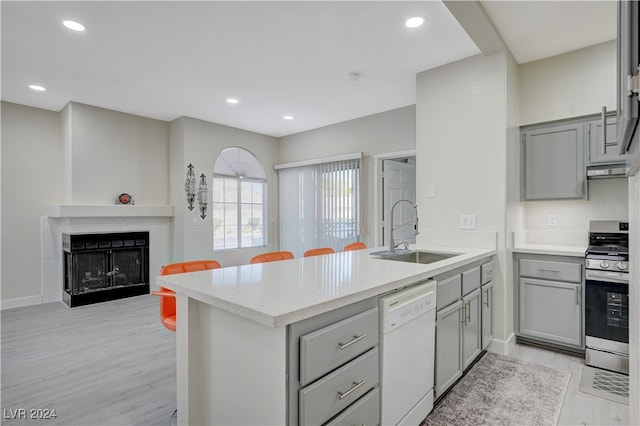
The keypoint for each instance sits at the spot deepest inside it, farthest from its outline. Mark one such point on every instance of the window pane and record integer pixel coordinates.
(246, 218)
(217, 190)
(230, 237)
(245, 192)
(256, 192)
(231, 214)
(230, 191)
(258, 239)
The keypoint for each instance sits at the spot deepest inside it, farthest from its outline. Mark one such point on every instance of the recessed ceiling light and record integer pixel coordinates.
(73, 25)
(288, 117)
(37, 88)
(232, 101)
(414, 22)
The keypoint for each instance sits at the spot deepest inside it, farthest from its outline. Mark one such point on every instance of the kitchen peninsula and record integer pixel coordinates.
(234, 325)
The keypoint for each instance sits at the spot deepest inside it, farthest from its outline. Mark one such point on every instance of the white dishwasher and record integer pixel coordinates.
(407, 342)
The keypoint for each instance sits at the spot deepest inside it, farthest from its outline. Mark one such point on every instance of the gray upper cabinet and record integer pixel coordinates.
(554, 161)
(601, 151)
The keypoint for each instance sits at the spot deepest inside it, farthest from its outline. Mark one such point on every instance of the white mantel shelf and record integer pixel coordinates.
(106, 210)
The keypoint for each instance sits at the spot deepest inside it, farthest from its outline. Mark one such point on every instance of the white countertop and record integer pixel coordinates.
(556, 250)
(287, 291)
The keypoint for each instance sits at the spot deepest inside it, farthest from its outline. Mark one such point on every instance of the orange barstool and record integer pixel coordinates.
(168, 297)
(318, 251)
(355, 246)
(271, 256)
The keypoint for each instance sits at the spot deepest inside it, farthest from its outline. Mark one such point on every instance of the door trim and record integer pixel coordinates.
(377, 189)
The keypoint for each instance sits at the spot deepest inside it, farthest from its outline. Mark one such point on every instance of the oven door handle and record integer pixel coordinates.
(608, 277)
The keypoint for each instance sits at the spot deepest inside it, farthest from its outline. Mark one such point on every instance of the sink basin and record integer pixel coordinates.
(418, 256)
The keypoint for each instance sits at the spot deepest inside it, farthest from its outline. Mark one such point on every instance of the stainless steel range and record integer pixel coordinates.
(607, 296)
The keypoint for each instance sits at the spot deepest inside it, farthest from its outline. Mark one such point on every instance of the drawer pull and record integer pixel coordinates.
(351, 342)
(356, 386)
(548, 271)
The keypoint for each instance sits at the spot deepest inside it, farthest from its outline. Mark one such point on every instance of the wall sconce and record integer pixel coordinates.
(190, 186)
(203, 196)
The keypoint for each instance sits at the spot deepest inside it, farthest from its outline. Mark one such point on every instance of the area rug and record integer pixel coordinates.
(500, 390)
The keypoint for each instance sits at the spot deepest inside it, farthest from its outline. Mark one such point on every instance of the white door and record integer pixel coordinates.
(399, 183)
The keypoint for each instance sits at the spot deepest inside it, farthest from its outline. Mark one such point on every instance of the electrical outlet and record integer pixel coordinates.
(467, 221)
(552, 220)
(431, 191)
(194, 221)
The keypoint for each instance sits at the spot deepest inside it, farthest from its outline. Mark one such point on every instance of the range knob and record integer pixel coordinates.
(622, 266)
(604, 264)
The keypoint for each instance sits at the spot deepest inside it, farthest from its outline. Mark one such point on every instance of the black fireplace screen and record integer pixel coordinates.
(102, 262)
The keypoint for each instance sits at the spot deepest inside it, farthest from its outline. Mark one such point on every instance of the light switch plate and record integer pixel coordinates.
(467, 221)
(552, 220)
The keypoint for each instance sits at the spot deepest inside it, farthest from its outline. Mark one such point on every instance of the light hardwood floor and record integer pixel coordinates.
(111, 363)
(114, 364)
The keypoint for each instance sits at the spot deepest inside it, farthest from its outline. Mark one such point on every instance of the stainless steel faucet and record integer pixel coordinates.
(392, 245)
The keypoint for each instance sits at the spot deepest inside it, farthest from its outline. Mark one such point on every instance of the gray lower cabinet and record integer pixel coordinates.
(554, 161)
(550, 295)
(459, 321)
(471, 328)
(333, 367)
(448, 347)
(487, 307)
(550, 310)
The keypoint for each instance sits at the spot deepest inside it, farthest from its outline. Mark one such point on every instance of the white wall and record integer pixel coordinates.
(199, 143)
(569, 85)
(385, 132)
(461, 118)
(113, 152)
(31, 179)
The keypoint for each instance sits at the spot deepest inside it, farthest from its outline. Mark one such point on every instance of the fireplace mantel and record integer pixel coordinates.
(107, 210)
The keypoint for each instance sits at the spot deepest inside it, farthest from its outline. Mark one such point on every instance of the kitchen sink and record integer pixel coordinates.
(418, 256)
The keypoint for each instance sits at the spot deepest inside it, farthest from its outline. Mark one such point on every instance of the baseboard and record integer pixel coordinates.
(19, 302)
(502, 347)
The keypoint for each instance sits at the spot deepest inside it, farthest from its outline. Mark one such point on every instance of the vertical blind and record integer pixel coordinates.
(319, 205)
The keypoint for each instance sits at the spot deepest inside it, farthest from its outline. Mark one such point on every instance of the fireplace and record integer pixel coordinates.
(102, 267)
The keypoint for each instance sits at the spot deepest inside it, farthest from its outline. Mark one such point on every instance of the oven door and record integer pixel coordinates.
(607, 305)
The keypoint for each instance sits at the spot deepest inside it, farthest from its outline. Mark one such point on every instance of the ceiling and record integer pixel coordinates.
(169, 59)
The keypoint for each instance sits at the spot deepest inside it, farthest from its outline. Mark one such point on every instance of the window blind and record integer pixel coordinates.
(319, 205)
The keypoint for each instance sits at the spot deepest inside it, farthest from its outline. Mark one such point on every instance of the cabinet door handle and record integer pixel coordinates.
(468, 313)
(464, 314)
(605, 144)
(578, 296)
(356, 386)
(486, 298)
(352, 341)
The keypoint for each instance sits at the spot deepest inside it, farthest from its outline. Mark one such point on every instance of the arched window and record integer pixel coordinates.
(239, 194)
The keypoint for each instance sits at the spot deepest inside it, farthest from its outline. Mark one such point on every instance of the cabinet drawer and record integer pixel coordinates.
(449, 290)
(327, 348)
(470, 280)
(366, 411)
(333, 393)
(547, 269)
(486, 271)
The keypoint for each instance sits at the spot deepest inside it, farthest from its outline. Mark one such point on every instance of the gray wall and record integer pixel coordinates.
(112, 152)
(381, 133)
(199, 143)
(462, 150)
(31, 179)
